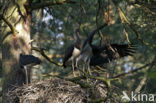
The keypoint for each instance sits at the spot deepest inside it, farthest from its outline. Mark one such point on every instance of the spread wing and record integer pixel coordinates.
(111, 52)
(124, 50)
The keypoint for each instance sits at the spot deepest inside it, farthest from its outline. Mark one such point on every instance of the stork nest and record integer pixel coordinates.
(49, 91)
(54, 91)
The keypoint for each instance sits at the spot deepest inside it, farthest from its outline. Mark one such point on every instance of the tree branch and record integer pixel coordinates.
(13, 30)
(141, 84)
(145, 6)
(41, 51)
(50, 3)
(125, 20)
(136, 70)
(4, 37)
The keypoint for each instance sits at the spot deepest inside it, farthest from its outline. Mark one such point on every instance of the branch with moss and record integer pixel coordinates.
(146, 7)
(124, 20)
(41, 51)
(76, 80)
(35, 6)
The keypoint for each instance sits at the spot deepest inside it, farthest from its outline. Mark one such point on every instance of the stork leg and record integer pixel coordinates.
(83, 69)
(26, 74)
(73, 67)
(76, 62)
(89, 71)
(77, 59)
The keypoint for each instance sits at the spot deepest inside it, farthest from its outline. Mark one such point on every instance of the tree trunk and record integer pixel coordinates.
(15, 13)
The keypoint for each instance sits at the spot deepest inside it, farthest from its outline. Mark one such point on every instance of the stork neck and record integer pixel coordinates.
(78, 44)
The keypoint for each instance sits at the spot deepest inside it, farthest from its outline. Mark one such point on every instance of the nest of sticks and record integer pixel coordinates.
(57, 90)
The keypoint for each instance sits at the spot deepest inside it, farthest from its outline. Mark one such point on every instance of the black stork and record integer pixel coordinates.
(73, 51)
(28, 60)
(87, 52)
(108, 53)
(99, 55)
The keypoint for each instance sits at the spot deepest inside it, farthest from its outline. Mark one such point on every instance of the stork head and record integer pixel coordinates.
(78, 41)
(77, 34)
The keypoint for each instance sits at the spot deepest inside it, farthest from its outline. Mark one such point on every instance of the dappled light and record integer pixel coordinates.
(77, 51)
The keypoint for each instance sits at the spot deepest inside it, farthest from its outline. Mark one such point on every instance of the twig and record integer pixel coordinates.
(145, 7)
(98, 10)
(41, 51)
(91, 35)
(51, 3)
(76, 80)
(13, 30)
(143, 81)
(136, 70)
(4, 37)
(126, 34)
(99, 100)
(141, 84)
(125, 20)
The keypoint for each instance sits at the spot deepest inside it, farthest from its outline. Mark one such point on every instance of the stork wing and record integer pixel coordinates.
(124, 50)
(108, 53)
(28, 59)
(68, 54)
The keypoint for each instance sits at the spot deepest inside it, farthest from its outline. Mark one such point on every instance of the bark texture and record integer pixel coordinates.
(16, 34)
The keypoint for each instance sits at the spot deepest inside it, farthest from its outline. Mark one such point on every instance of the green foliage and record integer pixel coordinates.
(53, 28)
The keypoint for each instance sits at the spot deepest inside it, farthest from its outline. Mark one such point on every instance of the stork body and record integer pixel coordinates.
(84, 58)
(71, 54)
(87, 52)
(99, 55)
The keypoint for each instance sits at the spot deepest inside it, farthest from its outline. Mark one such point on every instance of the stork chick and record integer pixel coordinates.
(73, 51)
(87, 52)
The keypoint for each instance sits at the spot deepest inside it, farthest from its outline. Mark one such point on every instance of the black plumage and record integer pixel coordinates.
(28, 59)
(68, 54)
(86, 51)
(89, 39)
(107, 53)
(73, 51)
